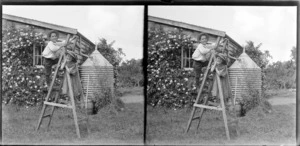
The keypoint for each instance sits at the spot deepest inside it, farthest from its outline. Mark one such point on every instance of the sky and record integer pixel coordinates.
(122, 24)
(274, 27)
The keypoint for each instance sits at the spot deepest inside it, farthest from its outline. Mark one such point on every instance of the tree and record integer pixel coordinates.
(112, 55)
(259, 57)
(282, 75)
(293, 54)
(130, 72)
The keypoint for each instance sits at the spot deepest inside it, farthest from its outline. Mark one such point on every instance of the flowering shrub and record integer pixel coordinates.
(22, 83)
(168, 84)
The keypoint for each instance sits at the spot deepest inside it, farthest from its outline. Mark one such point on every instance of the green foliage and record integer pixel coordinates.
(282, 75)
(167, 82)
(107, 50)
(112, 55)
(131, 73)
(260, 58)
(22, 83)
(103, 97)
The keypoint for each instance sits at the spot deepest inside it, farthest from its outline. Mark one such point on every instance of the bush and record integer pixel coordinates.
(167, 81)
(252, 99)
(22, 83)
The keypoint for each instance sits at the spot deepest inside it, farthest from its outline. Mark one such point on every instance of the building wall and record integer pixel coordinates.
(194, 35)
(87, 48)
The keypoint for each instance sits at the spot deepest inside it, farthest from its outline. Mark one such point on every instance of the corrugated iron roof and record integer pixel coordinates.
(246, 62)
(96, 59)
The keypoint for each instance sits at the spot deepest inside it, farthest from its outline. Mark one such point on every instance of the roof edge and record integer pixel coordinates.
(39, 23)
(234, 42)
(186, 26)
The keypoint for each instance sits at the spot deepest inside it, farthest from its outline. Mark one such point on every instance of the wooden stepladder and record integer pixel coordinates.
(56, 90)
(206, 104)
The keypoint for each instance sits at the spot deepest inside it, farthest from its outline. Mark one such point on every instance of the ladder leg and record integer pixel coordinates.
(190, 120)
(223, 107)
(41, 117)
(199, 93)
(52, 110)
(73, 105)
(43, 110)
(202, 110)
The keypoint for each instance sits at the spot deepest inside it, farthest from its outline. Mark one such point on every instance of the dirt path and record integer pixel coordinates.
(282, 101)
(132, 98)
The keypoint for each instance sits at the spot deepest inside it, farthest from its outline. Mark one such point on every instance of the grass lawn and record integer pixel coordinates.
(165, 126)
(126, 127)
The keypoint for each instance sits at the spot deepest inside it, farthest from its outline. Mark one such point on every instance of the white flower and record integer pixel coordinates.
(38, 77)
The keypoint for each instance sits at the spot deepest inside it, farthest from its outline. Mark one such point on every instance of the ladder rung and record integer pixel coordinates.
(45, 116)
(196, 118)
(57, 104)
(208, 107)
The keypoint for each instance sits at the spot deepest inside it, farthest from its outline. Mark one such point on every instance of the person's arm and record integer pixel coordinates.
(221, 72)
(56, 46)
(213, 66)
(204, 50)
(196, 53)
(211, 46)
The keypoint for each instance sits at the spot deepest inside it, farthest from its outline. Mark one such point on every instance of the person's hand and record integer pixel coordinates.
(217, 71)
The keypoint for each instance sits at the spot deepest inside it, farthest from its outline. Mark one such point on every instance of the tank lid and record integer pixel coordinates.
(246, 62)
(96, 59)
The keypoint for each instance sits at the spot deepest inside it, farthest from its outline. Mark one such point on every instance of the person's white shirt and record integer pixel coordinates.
(51, 49)
(201, 51)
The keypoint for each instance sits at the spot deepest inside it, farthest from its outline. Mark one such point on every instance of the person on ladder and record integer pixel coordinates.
(220, 68)
(71, 68)
(201, 56)
(52, 52)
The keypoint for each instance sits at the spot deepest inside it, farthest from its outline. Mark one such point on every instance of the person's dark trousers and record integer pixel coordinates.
(198, 65)
(48, 63)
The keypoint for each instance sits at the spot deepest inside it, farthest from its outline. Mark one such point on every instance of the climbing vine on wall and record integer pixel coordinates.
(168, 84)
(22, 83)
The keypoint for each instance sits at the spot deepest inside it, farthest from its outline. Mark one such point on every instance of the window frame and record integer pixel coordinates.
(36, 56)
(185, 58)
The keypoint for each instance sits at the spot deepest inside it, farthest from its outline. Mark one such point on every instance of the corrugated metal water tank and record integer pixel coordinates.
(100, 73)
(245, 73)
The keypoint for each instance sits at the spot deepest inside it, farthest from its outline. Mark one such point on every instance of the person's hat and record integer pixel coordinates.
(72, 54)
(222, 56)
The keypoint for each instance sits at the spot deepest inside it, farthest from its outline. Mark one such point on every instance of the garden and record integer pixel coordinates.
(170, 97)
(24, 89)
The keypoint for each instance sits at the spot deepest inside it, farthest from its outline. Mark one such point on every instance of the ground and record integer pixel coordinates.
(165, 126)
(107, 127)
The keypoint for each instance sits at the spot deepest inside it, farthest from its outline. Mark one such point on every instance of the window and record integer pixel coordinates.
(186, 58)
(37, 54)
